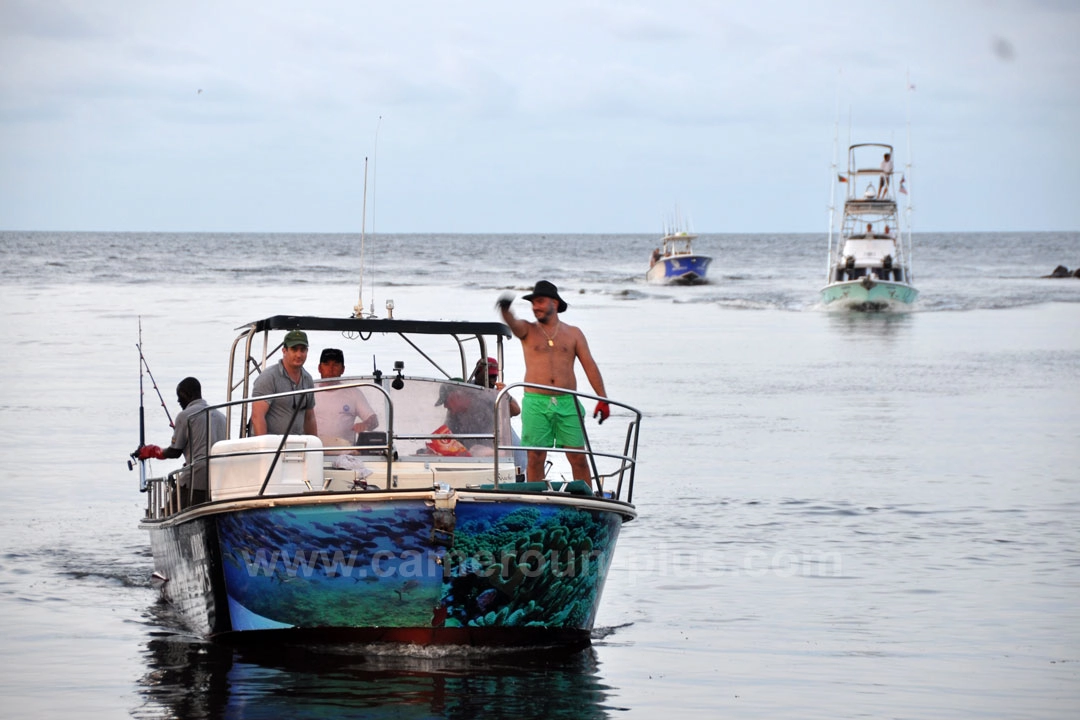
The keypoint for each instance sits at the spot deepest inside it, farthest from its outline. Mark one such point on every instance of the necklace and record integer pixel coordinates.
(551, 337)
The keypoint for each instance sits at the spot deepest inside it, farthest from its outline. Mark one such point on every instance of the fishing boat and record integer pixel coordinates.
(869, 262)
(675, 262)
(420, 531)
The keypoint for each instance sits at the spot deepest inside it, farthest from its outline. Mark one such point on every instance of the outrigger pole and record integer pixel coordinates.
(834, 175)
(909, 276)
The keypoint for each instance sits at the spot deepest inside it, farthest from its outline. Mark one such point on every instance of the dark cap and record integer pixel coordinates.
(546, 289)
(446, 391)
(296, 337)
(332, 355)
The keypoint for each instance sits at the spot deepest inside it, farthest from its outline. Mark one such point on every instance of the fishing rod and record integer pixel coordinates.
(142, 421)
(142, 359)
(142, 413)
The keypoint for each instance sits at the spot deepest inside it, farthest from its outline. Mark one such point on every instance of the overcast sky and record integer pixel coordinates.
(501, 116)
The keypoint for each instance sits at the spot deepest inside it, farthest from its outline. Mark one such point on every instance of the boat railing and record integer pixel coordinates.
(166, 495)
(625, 461)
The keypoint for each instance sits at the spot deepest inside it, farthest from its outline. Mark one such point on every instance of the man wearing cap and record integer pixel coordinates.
(293, 415)
(489, 378)
(550, 346)
(340, 414)
(469, 411)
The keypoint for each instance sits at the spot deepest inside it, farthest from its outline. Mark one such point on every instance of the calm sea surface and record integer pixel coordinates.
(841, 515)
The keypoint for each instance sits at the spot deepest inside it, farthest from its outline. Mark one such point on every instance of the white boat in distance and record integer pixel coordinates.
(869, 266)
(675, 263)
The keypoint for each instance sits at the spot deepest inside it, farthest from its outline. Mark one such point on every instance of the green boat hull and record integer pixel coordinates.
(868, 295)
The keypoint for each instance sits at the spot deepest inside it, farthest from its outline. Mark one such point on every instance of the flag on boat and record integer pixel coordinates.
(902, 188)
(841, 178)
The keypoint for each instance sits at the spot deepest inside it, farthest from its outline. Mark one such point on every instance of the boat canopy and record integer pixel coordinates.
(378, 325)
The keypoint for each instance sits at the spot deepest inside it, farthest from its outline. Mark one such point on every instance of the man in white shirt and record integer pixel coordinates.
(886, 175)
(340, 414)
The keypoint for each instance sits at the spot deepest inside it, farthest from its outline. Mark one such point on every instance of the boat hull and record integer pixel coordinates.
(864, 294)
(679, 270)
(432, 567)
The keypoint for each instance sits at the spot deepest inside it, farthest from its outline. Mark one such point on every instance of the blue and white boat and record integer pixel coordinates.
(409, 535)
(869, 263)
(675, 262)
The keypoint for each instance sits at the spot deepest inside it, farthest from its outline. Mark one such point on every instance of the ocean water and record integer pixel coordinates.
(841, 514)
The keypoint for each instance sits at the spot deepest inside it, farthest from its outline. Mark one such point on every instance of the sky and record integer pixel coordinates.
(484, 116)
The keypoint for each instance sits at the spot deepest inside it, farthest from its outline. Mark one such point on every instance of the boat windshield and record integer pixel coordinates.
(454, 412)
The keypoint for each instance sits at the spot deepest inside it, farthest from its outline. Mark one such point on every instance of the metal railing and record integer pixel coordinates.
(166, 495)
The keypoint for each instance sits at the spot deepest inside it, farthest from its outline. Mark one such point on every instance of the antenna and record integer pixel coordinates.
(374, 188)
(358, 311)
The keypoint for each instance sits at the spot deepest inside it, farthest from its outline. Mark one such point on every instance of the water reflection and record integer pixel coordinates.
(887, 324)
(191, 678)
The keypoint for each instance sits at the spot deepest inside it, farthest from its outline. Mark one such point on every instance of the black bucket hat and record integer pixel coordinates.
(546, 289)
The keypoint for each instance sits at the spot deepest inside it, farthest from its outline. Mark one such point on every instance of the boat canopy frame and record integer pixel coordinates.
(357, 328)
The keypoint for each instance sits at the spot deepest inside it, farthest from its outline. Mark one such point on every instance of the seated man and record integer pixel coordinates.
(469, 411)
(340, 414)
(509, 403)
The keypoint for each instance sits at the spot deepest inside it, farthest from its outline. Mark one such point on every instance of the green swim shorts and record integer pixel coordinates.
(551, 421)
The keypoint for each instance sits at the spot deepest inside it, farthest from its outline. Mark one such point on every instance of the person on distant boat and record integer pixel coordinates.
(869, 230)
(550, 346)
(293, 415)
(886, 174)
(189, 439)
(340, 414)
(888, 232)
(655, 257)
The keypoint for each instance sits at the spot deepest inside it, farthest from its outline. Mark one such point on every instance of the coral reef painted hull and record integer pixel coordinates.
(679, 270)
(868, 295)
(428, 567)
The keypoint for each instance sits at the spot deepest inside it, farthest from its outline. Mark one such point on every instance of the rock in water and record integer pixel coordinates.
(1059, 272)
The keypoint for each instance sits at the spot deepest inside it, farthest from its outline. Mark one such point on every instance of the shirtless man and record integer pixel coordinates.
(550, 346)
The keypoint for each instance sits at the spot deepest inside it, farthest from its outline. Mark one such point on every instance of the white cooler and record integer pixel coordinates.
(240, 476)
